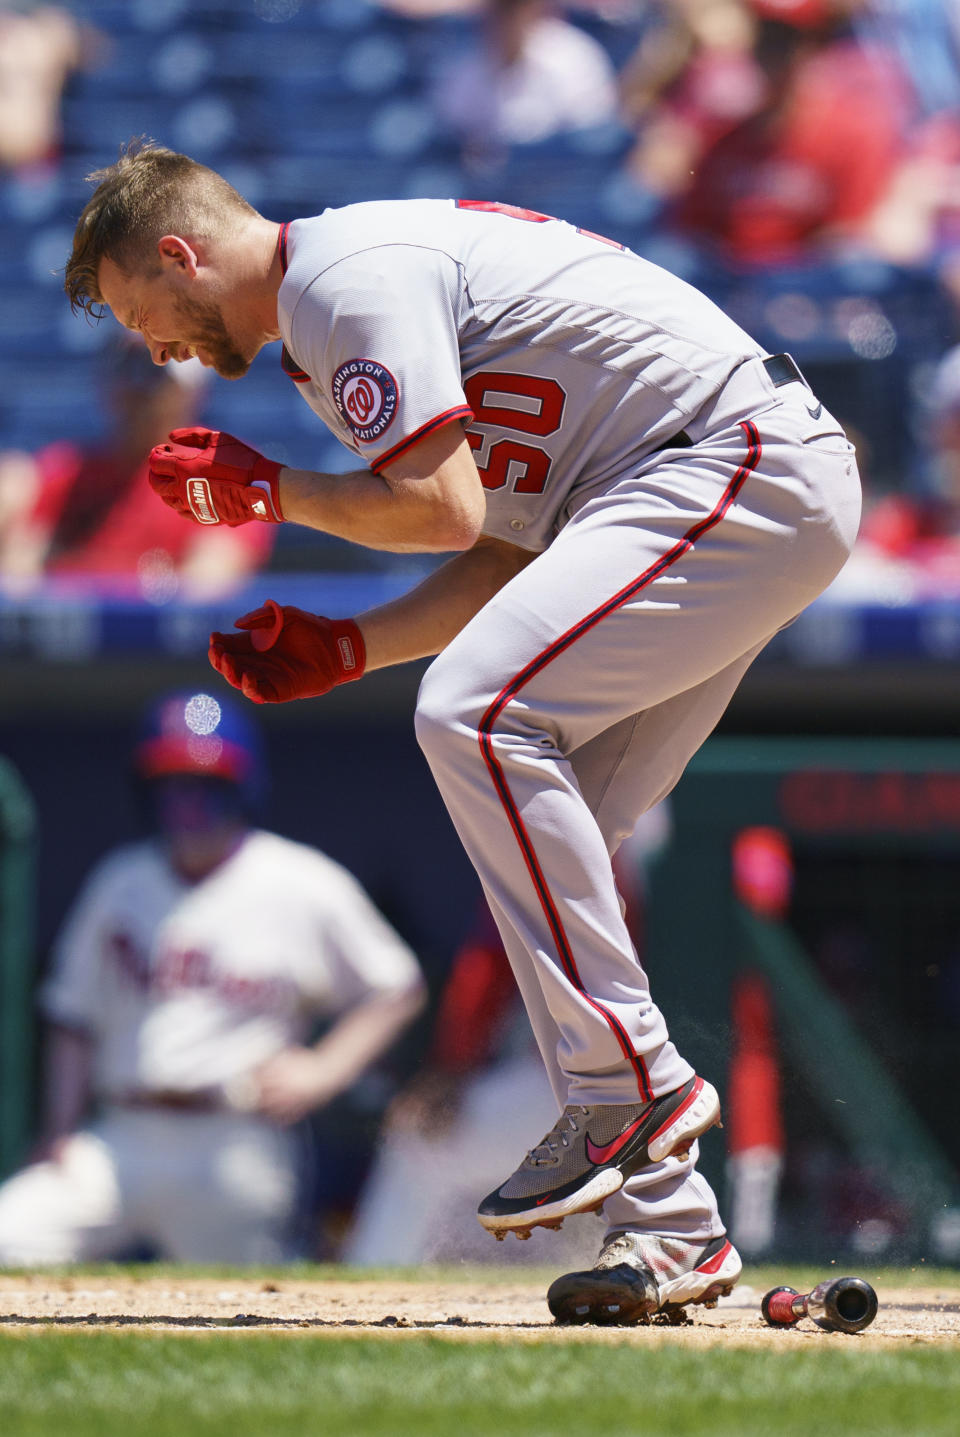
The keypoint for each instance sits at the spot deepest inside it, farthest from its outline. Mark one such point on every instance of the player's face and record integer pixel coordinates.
(210, 340)
(174, 324)
(198, 819)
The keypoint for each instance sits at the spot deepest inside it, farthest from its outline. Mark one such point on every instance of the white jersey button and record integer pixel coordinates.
(516, 523)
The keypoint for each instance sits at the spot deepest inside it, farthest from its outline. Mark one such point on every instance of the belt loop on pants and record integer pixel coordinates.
(783, 369)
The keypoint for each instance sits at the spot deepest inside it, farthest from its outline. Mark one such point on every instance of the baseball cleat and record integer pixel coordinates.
(637, 1275)
(591, 1151)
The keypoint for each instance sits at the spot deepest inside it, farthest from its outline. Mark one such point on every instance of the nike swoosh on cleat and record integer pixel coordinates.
(609, 1150)
(814, 413)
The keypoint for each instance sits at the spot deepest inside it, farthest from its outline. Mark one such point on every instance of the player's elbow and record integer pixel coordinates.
(437, 485)
(464, 515)
(461, 529)
(411, 999)
(448, 528)
(396, 1007)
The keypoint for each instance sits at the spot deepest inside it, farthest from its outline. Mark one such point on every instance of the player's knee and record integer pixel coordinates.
(444, 714)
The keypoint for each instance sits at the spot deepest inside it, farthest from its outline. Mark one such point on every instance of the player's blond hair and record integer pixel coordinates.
(149, 192)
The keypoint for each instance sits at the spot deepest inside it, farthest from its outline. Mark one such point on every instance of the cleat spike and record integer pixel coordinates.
(521, 1233)
(499, 1236)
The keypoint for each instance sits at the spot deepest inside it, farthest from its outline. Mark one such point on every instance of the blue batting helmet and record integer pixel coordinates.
(194, 733)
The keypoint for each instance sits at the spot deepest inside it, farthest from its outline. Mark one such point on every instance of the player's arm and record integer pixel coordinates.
(300, 1079)
(423, 621)
(428, 500)
(285, 653)
(66, 1086)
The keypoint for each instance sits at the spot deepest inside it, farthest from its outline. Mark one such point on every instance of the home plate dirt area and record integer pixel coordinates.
(464, 1308)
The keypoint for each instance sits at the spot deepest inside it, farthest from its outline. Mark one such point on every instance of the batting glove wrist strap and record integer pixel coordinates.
(213, 478)
(285, 653)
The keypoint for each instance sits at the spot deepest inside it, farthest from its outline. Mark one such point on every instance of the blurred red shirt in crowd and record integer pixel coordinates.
(809, 167)
(70, 510)
(102, 518)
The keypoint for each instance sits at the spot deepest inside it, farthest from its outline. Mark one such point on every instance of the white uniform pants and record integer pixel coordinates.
(573, 701)
(198, 1187)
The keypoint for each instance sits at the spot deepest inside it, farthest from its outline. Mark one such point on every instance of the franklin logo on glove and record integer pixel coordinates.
(285, 653)
(213, 478)
(201, 506)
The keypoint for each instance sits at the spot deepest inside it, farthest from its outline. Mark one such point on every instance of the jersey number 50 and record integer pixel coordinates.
(525, 403)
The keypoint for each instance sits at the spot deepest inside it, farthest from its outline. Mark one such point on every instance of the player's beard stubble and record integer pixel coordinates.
(210, 332)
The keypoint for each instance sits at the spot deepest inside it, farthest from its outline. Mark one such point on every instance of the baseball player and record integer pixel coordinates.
(637, 498)
(183, 986)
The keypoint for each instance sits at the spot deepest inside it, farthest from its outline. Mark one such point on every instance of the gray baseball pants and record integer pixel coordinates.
(574, 699)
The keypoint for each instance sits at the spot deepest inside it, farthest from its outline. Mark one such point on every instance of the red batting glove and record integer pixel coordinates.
(212, 478)
(285, 653)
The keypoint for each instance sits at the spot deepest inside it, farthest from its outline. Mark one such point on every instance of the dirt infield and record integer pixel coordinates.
(466, 1308)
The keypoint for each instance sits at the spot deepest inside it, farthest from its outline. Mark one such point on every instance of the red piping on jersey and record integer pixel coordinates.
(291, 368)
(510, 691)
(288, 364)
(462, 411)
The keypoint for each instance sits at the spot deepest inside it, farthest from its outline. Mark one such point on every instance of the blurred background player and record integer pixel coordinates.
(184, 983)
(75, 510)
(533, 75)
(481, 1087)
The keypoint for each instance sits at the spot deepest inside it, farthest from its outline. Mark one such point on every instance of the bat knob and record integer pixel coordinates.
(776, 1307)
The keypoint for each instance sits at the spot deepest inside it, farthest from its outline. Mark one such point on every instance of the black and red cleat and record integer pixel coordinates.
(591, 1151)
(638, 1274)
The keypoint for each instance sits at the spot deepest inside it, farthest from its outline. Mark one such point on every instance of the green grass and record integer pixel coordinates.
(97, 1384)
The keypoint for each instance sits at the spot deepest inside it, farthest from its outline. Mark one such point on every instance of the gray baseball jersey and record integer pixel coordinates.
(567, 357)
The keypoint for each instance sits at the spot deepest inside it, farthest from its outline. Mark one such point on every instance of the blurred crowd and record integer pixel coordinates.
(799, 159)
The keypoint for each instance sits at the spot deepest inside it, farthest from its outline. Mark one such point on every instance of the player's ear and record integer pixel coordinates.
(176, 253)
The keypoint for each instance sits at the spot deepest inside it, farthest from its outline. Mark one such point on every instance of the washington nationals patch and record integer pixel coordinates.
(366, 395)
